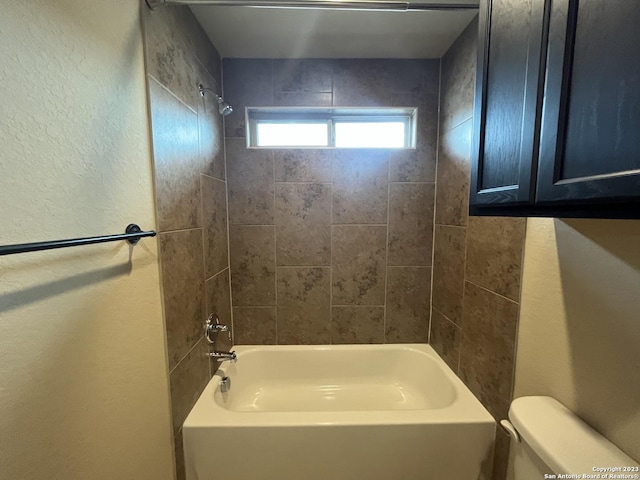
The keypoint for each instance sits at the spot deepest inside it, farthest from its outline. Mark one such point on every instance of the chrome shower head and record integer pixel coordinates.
(224, 108)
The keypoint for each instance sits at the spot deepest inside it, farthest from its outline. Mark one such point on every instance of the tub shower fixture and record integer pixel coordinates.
(212, 328)
(389, 5)
(225, 384)
(223, 107)
(132, 234)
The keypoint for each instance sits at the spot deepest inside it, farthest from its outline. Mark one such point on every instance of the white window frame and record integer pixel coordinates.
(283, 115)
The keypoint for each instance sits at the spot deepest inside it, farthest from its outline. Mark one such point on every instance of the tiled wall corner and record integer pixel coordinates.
(477, 260)
(331, 246)
(191, 198)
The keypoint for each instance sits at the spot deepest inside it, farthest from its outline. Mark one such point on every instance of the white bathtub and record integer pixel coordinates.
(349, 412)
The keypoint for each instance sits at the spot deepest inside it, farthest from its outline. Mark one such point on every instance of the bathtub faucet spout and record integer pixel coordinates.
(224, 356)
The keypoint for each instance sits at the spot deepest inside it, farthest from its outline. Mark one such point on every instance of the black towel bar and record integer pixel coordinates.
(132, 234)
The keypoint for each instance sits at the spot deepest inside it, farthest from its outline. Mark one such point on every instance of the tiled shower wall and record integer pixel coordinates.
(191, 203)
(331, 246)
(477, 260)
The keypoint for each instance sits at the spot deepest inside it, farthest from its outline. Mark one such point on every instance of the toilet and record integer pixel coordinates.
(549, 441)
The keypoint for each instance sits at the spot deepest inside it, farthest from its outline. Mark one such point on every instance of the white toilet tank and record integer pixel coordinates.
(555, 443)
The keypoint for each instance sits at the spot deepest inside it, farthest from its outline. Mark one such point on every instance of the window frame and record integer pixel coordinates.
(284, 115)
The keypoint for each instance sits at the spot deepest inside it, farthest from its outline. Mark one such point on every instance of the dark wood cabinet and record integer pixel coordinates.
(557, 115)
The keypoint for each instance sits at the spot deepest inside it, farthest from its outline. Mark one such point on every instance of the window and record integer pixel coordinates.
(331, 127)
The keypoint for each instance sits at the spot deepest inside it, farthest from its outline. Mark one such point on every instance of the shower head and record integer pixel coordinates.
(224, 108)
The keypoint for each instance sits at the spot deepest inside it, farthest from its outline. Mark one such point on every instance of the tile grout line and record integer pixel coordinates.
(204, 257)
(277, 182)
(515, 347)
(180, 230)
(435, 202)
(464, 279)
(331, 245)
(212, 177)
(448, 319)
(275, 227)
(386, 255)
(303, 266)
(200, 339)
(358, 306)
(491, 291)
(413, 183)
(239, 307)
(172, 94)
(450, 226)
(453, 127)
(360, 224)
(217, 274)
(226, 193)
(252, 225)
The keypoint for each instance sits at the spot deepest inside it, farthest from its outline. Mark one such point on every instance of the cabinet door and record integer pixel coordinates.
(590, 140)
(507, 104)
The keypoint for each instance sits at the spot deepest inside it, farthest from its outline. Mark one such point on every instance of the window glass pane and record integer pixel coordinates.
(370, 134)
(291, 134)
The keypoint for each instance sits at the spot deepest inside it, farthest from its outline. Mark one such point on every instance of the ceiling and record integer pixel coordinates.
(241, 32)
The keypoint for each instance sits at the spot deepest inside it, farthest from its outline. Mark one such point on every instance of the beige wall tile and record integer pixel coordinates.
(408, 301)
(412, 165)
(358, 264)
(488, 346)
(170, 55)
(254, 325)
(181, 473)
(362, 83)
(186, 381)
(218, 295)
(359, 177)
(357, 325)
(302, 75)
(210, 130)
(175, 40)
(303, 165)
(298, 99)
(494, 253)
(214, 213)
(250, 183)
(303, 224)
(206, 53)
(454, 171)
(419, 76)
(304, 305)
(501, 454)
(360, 186)
(183, 290)
(448, 271)
(458, 79)
(176, 160)
(411, 223)
(253, 265)
(445, 338)
(247, 83)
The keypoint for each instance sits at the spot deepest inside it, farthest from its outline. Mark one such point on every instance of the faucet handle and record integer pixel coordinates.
(213, 327)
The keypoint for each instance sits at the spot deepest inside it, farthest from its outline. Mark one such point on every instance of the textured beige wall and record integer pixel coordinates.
(83, 382)
(579, 331)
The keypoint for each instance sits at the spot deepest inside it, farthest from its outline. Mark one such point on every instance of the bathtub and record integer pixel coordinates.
(349, 412)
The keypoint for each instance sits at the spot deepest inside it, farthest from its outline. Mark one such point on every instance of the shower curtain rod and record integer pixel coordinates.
(322, 4)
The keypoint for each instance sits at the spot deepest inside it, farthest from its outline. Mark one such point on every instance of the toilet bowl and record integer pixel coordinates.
(549, 441)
